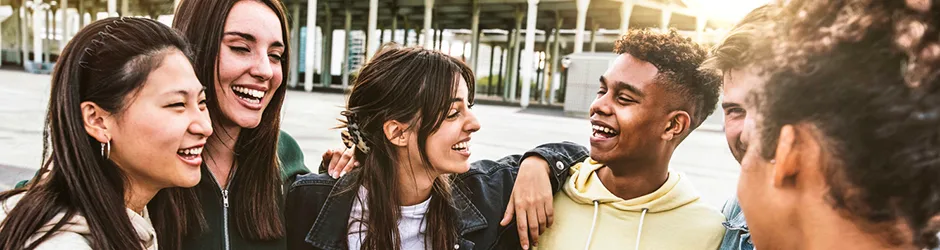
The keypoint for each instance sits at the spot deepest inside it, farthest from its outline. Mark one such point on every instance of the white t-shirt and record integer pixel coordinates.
(412, 226)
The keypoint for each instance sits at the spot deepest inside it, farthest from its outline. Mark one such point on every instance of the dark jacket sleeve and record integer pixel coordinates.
(560, 157)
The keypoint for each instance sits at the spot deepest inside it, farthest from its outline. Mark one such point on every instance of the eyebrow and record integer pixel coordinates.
(624, 85)
(185, 92)
(725, 105)
(251, 38)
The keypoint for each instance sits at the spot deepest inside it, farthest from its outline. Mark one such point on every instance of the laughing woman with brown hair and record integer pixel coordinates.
(241, 57)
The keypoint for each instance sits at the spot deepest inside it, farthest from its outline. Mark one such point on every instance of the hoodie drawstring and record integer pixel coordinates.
(639, 229)
(593, 224)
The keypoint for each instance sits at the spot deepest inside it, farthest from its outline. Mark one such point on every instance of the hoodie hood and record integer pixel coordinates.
(584, 187)
(77, 225)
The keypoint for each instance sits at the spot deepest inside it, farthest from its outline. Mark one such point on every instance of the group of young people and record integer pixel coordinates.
(169, 138)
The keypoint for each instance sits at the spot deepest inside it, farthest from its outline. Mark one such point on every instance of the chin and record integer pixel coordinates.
(246, 120)
(599, 155)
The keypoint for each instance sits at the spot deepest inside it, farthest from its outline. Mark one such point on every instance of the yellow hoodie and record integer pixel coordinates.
(588, 216)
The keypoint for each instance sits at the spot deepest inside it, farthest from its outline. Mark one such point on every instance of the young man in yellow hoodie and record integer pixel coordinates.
(624, 196)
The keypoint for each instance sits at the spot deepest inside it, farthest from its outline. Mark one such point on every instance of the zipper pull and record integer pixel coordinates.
(225, 198)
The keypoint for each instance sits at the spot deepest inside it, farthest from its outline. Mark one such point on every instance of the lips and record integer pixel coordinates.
(601, 129)
(250, 96)
(462, 147)
(192, 155)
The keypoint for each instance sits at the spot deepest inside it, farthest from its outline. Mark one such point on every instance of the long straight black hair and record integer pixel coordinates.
(412, 86)
(105, 63)
(257, 188)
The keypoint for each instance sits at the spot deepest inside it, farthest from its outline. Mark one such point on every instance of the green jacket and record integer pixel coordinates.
(210, 195)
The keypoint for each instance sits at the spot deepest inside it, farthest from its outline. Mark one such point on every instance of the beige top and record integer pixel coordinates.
(76, 235)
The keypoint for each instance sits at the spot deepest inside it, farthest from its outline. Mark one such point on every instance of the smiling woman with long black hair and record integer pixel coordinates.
(125, 126)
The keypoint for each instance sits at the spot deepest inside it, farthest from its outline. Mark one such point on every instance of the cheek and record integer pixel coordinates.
(733, 130)
(230, 67)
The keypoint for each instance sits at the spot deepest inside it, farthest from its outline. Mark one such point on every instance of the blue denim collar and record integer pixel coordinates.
(737, 222)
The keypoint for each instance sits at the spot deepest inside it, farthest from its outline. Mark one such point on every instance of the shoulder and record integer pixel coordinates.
(72, 235)
(290, 155)
(312, 181)
(64, 240)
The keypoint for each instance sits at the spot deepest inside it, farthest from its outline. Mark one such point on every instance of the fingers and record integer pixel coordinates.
(507, 216)
(549, 214)
(534, 223)
(333, 169)
(326, 159)
(522, 227)
(345, 163)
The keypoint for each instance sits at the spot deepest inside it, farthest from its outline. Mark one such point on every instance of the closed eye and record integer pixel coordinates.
(239, 49)
(175, 105)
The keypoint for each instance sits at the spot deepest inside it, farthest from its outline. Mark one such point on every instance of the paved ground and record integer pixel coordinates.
(309, 117)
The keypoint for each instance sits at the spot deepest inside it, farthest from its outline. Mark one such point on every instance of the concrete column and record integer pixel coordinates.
(528, 52)
(579, 25)
(474, 34)
(626, 9)
(700, 22)
(45, 42)
(310, 43)
(594, 29)
(394, 23)
(24, 32)
(556, 56)
(407, 31)
(125, 8)
(440, 37)
(294, 45)
(381, 35)
(37, 35)
(346, 64)
(112, 8)
(94, 14)
(499, 79)
(66, 26)
(428, 33)
(372, 44)
(664, 20)
(513, 70)
(81, 14)
(326, 71)
(489, 90)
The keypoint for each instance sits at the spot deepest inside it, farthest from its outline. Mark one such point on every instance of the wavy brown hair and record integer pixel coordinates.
(257, 187)
(864, 73)
(413, 86)
(106, 63)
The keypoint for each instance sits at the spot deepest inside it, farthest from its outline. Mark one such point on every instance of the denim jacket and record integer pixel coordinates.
(737, 235)
(317, 210)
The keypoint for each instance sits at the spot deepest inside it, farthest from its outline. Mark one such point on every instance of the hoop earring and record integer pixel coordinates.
(106, 150)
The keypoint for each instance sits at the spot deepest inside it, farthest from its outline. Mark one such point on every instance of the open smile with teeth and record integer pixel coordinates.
(249, 95)
(190, 153)
(461, 146)
(604, 131)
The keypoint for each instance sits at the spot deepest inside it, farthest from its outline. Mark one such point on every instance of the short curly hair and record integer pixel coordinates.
(678, 60)
(864, 73)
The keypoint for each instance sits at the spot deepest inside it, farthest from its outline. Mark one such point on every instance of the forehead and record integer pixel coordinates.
(737, 83)
(256, 19)
(174, 73)
(629, 69)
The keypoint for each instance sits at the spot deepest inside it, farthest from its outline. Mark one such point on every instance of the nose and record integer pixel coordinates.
(261, 68)
(601, 106)
(472, 125)
(200, 124)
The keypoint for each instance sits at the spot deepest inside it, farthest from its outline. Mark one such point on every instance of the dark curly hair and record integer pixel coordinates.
(865, 74)
(678, 60)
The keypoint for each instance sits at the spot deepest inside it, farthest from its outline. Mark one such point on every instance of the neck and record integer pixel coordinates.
(137, 195)
(826, 228)
(632, 179)
(220, 153)
(415, 184)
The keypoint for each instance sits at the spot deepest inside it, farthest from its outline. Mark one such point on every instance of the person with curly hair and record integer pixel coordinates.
(845, 147)
(624, 195)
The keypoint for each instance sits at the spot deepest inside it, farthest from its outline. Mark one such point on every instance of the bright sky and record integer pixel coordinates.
(731, 10)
